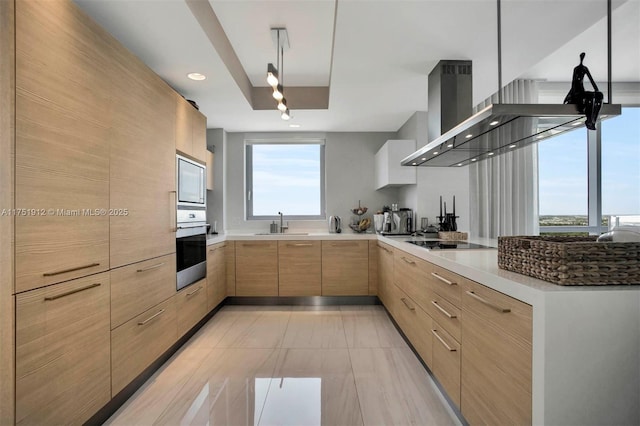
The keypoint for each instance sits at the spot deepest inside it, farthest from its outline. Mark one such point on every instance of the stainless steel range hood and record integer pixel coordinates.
(496, 129)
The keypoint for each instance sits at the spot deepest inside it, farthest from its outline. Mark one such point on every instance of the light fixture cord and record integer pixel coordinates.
(282, 70)
(499, 54)
(609, 84)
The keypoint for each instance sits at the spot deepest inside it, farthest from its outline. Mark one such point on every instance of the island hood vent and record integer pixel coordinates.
(494, 130)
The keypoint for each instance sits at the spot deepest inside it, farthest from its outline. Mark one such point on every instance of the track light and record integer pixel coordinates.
(272, 76)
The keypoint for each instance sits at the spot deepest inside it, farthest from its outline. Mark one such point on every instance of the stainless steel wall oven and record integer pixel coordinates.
(191, 247)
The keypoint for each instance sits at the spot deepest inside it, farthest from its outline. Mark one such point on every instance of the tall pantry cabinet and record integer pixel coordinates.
(95, 145)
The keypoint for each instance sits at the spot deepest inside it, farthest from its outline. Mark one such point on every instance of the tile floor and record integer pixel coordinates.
(302, 366)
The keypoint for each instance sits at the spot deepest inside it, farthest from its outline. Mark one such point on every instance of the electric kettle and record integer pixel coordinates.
(335, 225)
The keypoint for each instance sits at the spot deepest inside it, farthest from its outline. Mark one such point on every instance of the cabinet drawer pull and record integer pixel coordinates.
(441, 309)
(384, 248)
(51, 274)
(150, 267)
(213, 249)
(449, 348)
(68, 293)
(194, 291)
(489, 304)
(345, 244)
(444, 280)
(300, 245)
(411, 308)
(253, 245)
(410, 262)
(152, 317)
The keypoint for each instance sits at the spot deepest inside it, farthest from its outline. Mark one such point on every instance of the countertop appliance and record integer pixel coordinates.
(447, 245)
(398, 222)
(335, 225)
(191, 246)
(191, 183)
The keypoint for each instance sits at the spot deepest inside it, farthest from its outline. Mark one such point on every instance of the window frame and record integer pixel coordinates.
(248, 146)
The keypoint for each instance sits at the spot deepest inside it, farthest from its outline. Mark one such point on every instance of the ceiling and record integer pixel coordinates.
(374, 55)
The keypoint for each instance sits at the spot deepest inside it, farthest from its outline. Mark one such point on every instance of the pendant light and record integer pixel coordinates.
(275, 74)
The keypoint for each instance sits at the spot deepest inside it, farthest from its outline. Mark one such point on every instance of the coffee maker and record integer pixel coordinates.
(398, 222)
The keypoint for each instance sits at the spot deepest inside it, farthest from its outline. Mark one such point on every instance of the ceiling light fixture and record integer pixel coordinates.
(493, 123)
(512, 146)
(450, 145)
(196, 76)
(469, 136)
(294, 125)
(275, 73)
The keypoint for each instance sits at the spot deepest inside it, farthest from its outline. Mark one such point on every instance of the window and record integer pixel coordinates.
(585, 177)
(287, 178)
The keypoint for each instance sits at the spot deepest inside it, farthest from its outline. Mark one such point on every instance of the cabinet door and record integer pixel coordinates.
(299, 268)
(373, 268)
(230, 261)
(256, 268)
(184, 128)
(385, 273)
(446, 361)
(140, 341)
(191, 303)
(138, 287)
(63, 122)
(62, 352)
(496, 360)
(216, 275)
(199, 134)
(345, 268)
(142, 168)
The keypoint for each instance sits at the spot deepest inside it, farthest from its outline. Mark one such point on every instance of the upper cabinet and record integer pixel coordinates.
(210, 179)
(143, 163)
(388, 171)
(191, 130)
(63, 125)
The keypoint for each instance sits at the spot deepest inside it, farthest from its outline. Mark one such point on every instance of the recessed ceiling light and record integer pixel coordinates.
(459, 164)
(450, 145)
(491, 153)
(493, 123)
(414, 164)
(196, 76)
(512, 146)
(473, 159)
(294, 125)
(469, 136)
(435, 153)
(539, 136)
(423, 159)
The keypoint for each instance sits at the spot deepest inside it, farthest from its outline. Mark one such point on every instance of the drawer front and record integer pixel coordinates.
(446, 361)
(447, 315)
(299, 268)
(414, 322)
(62, 352)
(140, 341)
(445, 283)
(410, 276)
(191, 303)
(345, 268)
(138, 287)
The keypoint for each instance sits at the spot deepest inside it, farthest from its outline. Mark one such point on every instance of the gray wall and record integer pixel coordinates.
(349, 168)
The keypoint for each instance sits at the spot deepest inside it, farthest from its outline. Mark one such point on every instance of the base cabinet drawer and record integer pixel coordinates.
(445, 283)
(138, 287)
(447, 315)
(62, 352)
(191, 303)
(140, 341)
(446, 361)
(299, 268)
(414, 322)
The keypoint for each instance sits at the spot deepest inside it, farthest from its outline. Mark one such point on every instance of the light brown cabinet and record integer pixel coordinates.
(191, 303)
(210, 176)
(345, 268)
(140, 341)
(230, 261)
(256, 268)
(63, 125)
(138, 287)
(142, 163)
(445, 362)
(216, 275)
(409, 274)
(190, 131)
(385, 272)
(62, 351)
(373, 268)
(299, 268)
(496, 360)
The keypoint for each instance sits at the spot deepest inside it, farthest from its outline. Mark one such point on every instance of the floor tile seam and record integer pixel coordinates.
(280, 356)
(233, 322)
(355, 385)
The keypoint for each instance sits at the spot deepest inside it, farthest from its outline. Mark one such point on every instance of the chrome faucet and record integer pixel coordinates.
(282, 227)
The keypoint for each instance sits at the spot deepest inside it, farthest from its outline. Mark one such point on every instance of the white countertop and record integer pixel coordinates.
(480, 265)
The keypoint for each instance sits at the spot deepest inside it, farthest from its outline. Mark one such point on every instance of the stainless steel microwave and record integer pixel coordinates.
(191, 183)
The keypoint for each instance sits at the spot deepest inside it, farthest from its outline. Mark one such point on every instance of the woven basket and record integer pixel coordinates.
(571, 260)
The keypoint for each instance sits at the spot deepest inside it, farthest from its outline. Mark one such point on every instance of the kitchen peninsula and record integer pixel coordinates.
(585, 340)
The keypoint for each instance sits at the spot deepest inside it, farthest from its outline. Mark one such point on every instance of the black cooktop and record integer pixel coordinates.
(447, 245)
